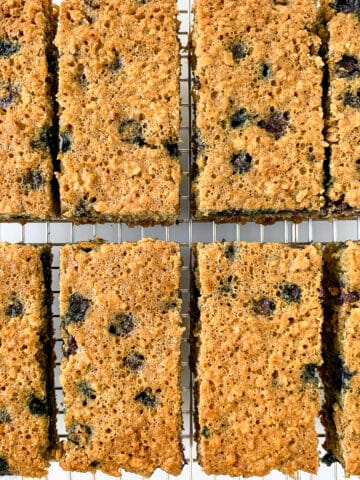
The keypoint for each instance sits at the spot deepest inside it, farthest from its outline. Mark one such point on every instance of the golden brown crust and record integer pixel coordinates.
(121, 371)
(26, 109)
(258, 341)
(119, 110)
(344, 123)
(253, 155)
(26, 394)
(341, 414)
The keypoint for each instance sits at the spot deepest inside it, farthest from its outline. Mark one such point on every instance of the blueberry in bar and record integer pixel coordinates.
(256, 349)
(258, 144)
(121, 367)
(119, 105)
(27, 29)
(27, 405)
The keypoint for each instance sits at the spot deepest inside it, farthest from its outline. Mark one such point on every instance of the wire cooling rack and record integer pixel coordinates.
(186, 232)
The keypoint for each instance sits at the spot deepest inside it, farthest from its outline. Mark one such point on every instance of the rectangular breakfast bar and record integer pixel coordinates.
(341, 371)
(259, 146)
(119, 111)
(256, 346)
(343, 131)
(27, 29)
(27, 403)
(121, 326)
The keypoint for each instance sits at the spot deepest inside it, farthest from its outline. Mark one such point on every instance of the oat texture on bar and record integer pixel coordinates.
(119, 111)
(256, 346)
(121, 326)
(258, 142)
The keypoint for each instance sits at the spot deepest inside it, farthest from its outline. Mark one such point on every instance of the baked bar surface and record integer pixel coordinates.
(121, 366)
(344, 106)
(119, 111)
(27, 416)
(255, 347)
(341, 413)
(26, 109)
(258, 143)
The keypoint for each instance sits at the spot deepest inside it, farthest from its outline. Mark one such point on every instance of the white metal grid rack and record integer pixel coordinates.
(186, 232)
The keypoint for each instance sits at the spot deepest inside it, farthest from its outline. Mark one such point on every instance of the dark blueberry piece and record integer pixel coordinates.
(33, 179)
(342, 375)
(15, 309)
(8, 48)
(328, 459)
(77, 308)
(79, 434)
(147, 398)
(81, 209)
(350, 297)
(265, 70)
(311, 157)
(309, 373)
(230, 252)
(87, 390)
(45, 139)
(340, 206)
(196, 83)
(227, 287)
(347, 67)
(131, 132)
(276, 124)
(38, 406)
(169, 306)
(4, 466)
(358, 165)
(241, 162)
(4, 416)
(92, 3)
(8, 98)
(239, 50)
(352, 100)
(117, 63)
(82, 79)
(122, 325)
(198, 143)
(194, 170)
(238, 119)
(172, 148)
(65, 142)
(347, 6)
(95, 464)
(290, 292)
(134, 362)
(264, 306)
(71, 346)
(205, 432)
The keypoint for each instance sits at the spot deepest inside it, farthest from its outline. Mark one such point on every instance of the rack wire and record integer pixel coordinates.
(186, 232)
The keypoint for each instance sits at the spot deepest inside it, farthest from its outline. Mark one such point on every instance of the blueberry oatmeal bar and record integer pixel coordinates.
(341, 339)
(27, 29)
(256, 346)
(27, 413)
(257, 160)
(122, 330)
(119, 111)
(344, 106)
